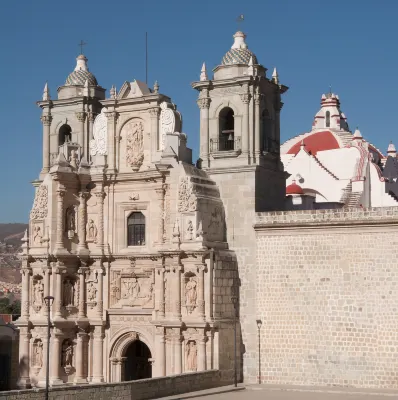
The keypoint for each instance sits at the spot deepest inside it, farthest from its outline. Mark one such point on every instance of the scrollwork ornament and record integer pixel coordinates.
(245, 97)
(39, 210)
(81, 116)
(46, 119)
(203, 103)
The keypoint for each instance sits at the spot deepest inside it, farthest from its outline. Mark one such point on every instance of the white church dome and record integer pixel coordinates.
(81, 74)
(239, 53)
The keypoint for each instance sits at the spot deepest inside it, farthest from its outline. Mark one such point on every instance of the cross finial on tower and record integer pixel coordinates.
(330, 89)
(81, 44)
(239, 20)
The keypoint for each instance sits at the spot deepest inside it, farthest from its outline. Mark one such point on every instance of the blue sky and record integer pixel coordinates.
(350, 45)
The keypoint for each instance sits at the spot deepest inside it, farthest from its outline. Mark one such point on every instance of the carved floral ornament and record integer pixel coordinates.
(134, 132)
(186, 197)
(99, 144)
(39, 210)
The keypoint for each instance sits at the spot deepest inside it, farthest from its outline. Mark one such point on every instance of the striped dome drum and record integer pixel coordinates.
(238, 56)
(79, 77)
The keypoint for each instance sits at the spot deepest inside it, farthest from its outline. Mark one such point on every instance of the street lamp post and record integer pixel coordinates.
(259, 323)
(49, 301)
(235, 303)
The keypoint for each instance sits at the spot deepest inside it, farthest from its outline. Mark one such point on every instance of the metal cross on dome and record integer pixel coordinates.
(81, 44)
(240, 19)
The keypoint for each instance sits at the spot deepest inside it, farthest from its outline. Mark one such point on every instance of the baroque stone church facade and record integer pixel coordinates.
(139, 247)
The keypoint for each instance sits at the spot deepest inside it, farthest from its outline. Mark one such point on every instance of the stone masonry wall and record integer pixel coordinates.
(327, 295)
(135, 390)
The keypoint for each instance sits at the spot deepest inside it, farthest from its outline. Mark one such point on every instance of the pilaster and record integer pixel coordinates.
(112, 118)
(80, 376)
(55, 355)
(26, 273)
(160, 360)
(204, 104)
(59, 244)
(202, 353)
(155, 142)
(245, 97)
(24, 359)
(257, 128)
(100, 240)
(46, 121)
(81, 117)
(98, 339)
(82, 248)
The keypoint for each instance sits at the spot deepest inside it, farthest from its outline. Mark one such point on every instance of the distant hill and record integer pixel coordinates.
(12, 233)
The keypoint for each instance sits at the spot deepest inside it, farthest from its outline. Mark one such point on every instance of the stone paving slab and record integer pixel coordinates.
(205, 393)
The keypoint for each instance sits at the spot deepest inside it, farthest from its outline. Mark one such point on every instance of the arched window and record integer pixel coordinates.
(64, 135)
(136, 229)
(327, 119)
(227, 129)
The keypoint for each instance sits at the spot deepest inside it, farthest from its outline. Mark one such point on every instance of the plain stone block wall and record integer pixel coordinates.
(136, 390)
(327, 296)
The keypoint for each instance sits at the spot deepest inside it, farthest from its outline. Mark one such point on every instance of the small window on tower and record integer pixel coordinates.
(327, 119)
(64, 135)
(136, 229)
(227, 130)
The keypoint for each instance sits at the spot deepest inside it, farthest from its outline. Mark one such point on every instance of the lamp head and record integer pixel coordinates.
(49, 300)
(259, 323)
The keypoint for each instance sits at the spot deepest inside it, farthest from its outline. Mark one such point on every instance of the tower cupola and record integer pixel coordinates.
(81, 74)
(239, 52)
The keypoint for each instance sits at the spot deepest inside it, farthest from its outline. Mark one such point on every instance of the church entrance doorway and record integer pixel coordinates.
(137, 364)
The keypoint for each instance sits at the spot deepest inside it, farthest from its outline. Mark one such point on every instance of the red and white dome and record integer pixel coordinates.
(293, 188)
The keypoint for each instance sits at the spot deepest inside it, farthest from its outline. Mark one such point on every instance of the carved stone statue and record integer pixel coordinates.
(38, 353)
(92, 231)
(37, 235)
(99, 144)
(91, 292)
(191, 356)
(38, 293)
(131, 288)
(68, 293)
(190, 230)
(67, 353)
(190, 294)
(170, 121)
(70, 219)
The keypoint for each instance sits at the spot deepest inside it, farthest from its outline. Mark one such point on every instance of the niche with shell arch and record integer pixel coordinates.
(132, 148)
(37, 293)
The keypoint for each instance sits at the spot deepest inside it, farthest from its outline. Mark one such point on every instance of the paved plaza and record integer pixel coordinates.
(263, 392)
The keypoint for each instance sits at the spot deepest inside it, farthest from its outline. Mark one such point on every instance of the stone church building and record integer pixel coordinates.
(153, 260)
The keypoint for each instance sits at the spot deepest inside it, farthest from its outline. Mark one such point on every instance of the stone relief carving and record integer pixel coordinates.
(91, 292)
(38, 293)
(129, 290)
(37, 359)
(216, 222)
(37, 235)
(167, 122)
(70, 225)
(186, 197)
(92, 231)
(134, 196)
(190, 294)
(134, 144)
(191, 354)
(98, 145)
(39, 210)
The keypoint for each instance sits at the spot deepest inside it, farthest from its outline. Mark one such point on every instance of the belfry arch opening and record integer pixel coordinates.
(137, 364)
(64, 134)
(226, 139)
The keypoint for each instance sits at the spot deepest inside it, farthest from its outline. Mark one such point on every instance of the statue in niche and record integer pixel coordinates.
(91, 231)
(190, 230)
(38, 353)
(70, 222)
(191, 356)
(38, 293)
(68, 293)
(67, 353)
(91, 292)
(190, 294)
(73, 159)
(37, 235)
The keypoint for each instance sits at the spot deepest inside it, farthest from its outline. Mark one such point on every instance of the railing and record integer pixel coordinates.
(224, 144)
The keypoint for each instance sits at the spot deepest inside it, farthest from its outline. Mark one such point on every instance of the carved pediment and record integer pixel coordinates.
(133, 89)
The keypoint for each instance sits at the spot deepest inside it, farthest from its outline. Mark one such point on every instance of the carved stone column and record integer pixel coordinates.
(80, 376)
(201, 292)
(58, 291)
(100, 293)
(46, 120)
(112, 117)
(155, 140)
(59, 244)
(201, 353)
(25, 292)
(24, 360)
(160, 360)
(245, 97)
(82, 292)
(177, 351)
(100, 239)
(257, 128)
(91, 117)
(82, 247)
(56, 357)
(204, 104)
(98, 375)
(176, 293)
(81, 116)
(161, 293)
(160, 193)
(47, 274)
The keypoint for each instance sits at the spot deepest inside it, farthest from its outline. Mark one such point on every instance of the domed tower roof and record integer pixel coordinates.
(293, 188)
(239, 52)
(81, 74)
